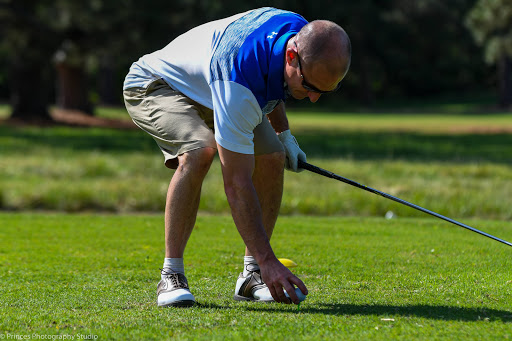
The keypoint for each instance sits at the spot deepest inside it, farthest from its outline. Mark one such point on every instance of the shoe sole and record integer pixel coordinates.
(249, 299)
(182, 304)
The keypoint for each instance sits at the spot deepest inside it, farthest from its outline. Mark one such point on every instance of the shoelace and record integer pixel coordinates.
(177, 280)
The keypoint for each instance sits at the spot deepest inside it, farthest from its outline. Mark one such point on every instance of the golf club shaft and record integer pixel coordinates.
(328, 174)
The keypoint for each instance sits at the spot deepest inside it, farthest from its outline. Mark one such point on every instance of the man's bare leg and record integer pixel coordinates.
(183, 199)
(180, 215)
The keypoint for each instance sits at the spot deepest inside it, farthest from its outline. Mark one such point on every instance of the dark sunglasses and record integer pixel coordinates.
(308, 86)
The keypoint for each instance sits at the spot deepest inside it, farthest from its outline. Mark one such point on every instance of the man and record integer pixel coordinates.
(220, 87)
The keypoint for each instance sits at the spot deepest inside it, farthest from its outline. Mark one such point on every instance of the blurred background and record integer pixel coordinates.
(75, 54)
(423, 114)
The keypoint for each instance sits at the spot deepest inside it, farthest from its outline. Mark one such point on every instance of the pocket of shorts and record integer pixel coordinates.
(156, 85)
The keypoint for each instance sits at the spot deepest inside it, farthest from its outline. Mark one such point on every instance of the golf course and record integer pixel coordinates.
(81, 232)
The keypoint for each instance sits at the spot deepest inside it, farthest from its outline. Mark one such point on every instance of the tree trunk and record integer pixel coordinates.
(72, 90)
(367, 93)
(505, 81)
(72, 87)
(29, 95)
(107, 88)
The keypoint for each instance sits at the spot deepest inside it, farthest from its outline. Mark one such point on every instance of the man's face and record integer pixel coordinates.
(308, 80)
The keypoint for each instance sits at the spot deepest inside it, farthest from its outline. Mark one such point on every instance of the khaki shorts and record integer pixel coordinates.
(179, 124)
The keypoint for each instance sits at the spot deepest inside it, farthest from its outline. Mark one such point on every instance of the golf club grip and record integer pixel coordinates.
(318, 170)
(314, 169)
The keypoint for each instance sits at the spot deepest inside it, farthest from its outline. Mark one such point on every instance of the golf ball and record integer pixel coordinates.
(389, 215)
(300, 295)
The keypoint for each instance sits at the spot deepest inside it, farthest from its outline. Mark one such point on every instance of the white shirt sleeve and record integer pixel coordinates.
(236, 114)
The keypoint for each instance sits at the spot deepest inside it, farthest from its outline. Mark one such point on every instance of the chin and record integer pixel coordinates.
(299, 96)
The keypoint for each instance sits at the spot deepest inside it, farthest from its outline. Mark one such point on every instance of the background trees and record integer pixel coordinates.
(490, 21)
(75, 54)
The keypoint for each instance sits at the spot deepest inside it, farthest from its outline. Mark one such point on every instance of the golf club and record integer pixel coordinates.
(328, 174)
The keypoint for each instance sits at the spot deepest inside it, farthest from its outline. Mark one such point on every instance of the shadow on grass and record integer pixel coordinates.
(424, 311)
(432, 312)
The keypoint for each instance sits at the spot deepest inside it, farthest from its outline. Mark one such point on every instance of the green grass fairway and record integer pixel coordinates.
(369, 279)
(462, 174)
(92, 273)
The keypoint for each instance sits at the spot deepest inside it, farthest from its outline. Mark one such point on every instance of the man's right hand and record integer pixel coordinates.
(277, 277)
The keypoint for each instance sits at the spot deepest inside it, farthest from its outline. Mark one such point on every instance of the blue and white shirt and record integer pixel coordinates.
(234, 66)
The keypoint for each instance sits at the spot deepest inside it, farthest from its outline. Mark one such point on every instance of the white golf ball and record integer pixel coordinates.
(300, 295)
(389, 215)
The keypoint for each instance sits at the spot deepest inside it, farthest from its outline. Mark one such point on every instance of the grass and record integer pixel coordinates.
(412, 277)
(424, 122)
(463, 174)
(371, 278)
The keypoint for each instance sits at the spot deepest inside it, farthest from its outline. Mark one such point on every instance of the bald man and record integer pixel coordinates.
(220, 88)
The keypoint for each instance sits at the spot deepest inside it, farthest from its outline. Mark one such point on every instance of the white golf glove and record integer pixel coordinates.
(292, 150)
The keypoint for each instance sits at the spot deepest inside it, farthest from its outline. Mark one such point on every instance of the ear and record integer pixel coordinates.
(291, 55)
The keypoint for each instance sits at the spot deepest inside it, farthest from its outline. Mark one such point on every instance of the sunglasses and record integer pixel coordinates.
(310, 87)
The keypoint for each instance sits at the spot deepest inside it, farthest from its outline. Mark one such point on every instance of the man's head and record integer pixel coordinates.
(317, 59)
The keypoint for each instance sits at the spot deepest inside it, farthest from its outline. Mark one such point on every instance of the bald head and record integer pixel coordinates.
(325, 42)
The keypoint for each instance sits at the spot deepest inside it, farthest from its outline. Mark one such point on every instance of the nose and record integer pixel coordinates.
(313, 96)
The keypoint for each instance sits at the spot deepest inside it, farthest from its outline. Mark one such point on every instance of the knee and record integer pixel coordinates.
(277, 159)
(274, 161)
(197, 161)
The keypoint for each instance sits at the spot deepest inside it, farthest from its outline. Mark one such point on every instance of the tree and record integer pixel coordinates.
(490, 22)
(30, 45)
(72, 85)
(404, 48)
(401, 48)
(69, 42)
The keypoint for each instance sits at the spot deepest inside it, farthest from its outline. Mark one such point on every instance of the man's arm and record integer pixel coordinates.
(237, 170)
(278, 118)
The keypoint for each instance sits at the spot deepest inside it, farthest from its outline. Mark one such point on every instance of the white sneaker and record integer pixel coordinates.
(252, 288)
(173, 291)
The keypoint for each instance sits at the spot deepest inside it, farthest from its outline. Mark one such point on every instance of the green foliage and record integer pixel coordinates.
(401, 48)
(408, 48)
(490, 21)
(368, 278)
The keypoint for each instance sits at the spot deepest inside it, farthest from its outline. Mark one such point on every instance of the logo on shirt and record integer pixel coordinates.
(270, 36)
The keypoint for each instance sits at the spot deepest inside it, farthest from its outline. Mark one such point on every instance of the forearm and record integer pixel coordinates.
(237, 172)
(278, 118)
(247, 215)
